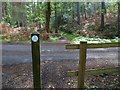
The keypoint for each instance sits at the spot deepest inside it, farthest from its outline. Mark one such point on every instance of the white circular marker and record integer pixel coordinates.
(34, 38)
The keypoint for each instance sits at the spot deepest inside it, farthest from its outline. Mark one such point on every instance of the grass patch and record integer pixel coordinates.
(69, 36)
(78, 38)
(95, 40)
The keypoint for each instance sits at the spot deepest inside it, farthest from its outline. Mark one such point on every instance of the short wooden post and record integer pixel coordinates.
(36, 60)
(82, 65)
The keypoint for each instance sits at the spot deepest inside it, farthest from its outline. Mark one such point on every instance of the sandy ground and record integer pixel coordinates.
(54, 75)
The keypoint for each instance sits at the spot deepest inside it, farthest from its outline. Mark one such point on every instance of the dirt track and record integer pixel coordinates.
(54, 75)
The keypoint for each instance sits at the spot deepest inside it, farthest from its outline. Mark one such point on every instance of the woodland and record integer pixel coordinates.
(74, 21)
(94, 22)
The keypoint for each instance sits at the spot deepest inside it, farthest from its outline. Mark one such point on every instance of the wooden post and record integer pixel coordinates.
(82, 65)
(36, 60)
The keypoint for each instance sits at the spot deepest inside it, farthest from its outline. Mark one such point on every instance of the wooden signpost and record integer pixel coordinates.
(35, 42)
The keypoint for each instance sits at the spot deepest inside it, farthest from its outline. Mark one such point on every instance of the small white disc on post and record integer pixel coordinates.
(34, 38)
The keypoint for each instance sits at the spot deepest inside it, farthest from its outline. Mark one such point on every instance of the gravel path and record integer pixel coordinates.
(16, 54)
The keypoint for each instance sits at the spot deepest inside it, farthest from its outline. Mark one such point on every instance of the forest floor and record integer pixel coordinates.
(54, 75)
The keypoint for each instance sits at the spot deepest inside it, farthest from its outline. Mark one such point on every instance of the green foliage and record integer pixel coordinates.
(111, 30)
(70, 27)
(54, 38)
(76, 39)
(70, 30)
(35, 13)
(117, 86)
(69, 36)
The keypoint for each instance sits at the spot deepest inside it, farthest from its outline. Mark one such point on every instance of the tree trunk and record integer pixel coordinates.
(48, 13)
(18, 13)
(82, 9)
(38, 14)
(73, 15)
(24, 21)
(78, 12)
(85, 11)
(95, 8)
(102, 15)
(0, 11)
(119, 17)
(5, 11)
(56, 20)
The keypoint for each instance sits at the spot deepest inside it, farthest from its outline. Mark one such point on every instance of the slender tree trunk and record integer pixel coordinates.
(64, 8)
(20, 14)
(89, 9)
(70, 7)
(82, 10)
(33, 11)
(85, 11)
(13, 13)
(17, 12)
(102, 15)
(56, 20)
(78, 12)
(5, 11)
(73, 15)
(38, 13)
(24, 21)
(48, 13)
(11, 20)
(94, 8)
(61, 10)
(0, 11)
(119, 17)
(24, 15)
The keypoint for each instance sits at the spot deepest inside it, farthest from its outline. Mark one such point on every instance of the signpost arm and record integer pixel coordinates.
(36, 61)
